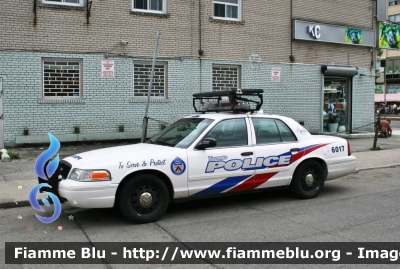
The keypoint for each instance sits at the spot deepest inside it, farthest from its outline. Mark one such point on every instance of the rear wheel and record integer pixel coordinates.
(308, 180)
(144, 198)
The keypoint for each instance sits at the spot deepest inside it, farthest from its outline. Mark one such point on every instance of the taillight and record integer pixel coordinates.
(348, 148)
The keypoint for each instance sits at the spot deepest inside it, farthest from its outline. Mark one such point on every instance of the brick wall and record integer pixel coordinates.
(265, 30)
(107, 103)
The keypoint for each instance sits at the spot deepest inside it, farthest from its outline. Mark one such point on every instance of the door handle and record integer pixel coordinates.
(247, 153)
(294, 150)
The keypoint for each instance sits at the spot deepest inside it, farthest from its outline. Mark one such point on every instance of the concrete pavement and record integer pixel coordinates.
(17, 177)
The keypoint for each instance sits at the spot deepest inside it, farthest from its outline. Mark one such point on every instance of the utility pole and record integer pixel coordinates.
(377, 127)
(146, 118)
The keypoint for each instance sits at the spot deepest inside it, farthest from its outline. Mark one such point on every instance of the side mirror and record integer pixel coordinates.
(207, 142)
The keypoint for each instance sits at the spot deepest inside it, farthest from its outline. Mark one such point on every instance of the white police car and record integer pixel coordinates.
(204, 155)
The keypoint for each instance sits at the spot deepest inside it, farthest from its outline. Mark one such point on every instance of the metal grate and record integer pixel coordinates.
(142, 74)
(225, 78)
(61, 78)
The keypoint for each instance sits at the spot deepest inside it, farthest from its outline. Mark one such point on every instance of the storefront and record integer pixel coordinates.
(337, 87)
(337, 96)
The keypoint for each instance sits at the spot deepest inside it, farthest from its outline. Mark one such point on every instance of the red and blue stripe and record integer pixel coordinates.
(251, 181)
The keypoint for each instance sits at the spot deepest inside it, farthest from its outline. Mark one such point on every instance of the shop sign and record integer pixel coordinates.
(389, 36)
(312, 31)
(107, 68)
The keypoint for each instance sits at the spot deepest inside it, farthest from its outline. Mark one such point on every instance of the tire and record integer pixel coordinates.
(308, 180)
(144, 198)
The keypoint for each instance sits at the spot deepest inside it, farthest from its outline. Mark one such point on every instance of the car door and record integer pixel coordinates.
(227, 166)
(274, 148)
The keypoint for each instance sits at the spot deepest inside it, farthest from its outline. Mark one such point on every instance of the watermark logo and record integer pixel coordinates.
(45, 172)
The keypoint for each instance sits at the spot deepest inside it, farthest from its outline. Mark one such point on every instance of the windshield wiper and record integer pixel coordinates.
(164, 143)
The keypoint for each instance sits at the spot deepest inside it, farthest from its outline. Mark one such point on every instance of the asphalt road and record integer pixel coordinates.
(361, 207)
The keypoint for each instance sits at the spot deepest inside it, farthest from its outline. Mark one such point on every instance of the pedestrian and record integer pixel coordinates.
(382, 108)
(395, 109)
(385, 129)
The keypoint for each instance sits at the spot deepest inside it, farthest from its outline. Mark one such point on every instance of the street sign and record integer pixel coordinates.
(276, 74)
(107, 69)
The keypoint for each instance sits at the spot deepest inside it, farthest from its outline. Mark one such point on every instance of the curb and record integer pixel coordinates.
(376, 167)
(8, 205)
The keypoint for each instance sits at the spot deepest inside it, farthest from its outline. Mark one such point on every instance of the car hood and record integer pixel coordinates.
(101, 157)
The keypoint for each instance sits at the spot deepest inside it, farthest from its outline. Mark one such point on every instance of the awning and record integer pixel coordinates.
(390, 97)
(335, 70)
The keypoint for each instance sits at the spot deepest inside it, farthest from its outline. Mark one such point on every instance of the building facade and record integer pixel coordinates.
(80, 70)
(388, 87)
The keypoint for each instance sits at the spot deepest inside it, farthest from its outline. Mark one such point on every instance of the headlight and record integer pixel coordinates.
(89, 175)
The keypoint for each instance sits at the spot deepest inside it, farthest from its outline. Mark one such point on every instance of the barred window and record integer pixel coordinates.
(64, 2)
(225, 77)
(141, 77)
(153, 6)
(62, 78)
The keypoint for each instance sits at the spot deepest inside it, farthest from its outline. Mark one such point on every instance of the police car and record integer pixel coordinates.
(233, 149)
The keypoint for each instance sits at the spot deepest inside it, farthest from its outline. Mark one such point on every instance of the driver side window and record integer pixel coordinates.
(230, 133)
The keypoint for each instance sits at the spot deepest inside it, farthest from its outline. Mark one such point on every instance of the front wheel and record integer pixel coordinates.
(308, 180)
(144, 198)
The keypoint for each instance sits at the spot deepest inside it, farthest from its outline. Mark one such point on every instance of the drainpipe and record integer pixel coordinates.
(200, 47)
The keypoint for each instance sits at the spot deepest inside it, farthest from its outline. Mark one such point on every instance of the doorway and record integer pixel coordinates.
(336, 107)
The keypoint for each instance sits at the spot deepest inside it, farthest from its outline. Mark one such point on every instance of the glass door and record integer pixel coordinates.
(336, 105)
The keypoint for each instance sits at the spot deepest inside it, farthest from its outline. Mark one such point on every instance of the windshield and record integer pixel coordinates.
(182, 133)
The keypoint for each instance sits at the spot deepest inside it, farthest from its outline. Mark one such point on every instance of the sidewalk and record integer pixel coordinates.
(17, 178)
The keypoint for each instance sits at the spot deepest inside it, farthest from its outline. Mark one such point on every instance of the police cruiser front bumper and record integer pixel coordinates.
(88, 194)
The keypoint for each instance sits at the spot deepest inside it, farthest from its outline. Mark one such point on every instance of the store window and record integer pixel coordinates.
(336, 106)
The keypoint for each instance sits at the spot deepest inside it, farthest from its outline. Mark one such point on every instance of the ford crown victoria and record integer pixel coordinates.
(203, 155)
